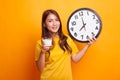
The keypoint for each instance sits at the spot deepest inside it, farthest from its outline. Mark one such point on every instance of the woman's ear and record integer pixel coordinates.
(44, 25)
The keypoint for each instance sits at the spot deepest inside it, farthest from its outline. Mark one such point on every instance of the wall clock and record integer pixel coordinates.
(83, 24)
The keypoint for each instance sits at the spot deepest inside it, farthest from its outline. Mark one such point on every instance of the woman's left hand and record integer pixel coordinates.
(91, 41)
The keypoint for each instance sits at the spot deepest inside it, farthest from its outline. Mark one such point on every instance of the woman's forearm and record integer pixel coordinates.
(76, 57)
(41, 61)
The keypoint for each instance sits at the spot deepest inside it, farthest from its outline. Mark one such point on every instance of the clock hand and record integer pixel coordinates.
(83, 27)
(82, 20)
(83, 24)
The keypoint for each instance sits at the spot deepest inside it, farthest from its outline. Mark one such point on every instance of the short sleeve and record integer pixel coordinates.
(37, 50)
(72, 45)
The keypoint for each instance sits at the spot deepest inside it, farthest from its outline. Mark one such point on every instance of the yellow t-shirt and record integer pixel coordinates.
(58, 64)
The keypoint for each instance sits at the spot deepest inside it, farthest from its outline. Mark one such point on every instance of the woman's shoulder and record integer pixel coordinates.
(68, 37)
(38, 42)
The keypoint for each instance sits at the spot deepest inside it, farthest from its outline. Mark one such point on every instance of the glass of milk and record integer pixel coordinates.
(47, 42)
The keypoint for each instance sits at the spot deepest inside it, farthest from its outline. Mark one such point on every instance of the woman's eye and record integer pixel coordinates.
(57, 20)
(50, 21)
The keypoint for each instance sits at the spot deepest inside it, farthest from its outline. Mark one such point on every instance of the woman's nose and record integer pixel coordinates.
(54, 22)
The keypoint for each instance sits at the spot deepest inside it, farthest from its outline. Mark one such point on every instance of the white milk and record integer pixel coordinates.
(47, 42)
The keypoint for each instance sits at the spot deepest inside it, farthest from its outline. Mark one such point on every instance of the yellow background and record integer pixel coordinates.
(20, 28)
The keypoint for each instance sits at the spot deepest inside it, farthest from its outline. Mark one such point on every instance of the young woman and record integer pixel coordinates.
(54, 62)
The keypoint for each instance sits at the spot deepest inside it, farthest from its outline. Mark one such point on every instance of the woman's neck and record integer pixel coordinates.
(54, 34)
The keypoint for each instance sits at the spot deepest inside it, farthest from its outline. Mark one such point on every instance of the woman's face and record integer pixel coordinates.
(52, 23)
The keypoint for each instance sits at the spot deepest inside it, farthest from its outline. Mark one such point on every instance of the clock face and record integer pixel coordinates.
(83, 24)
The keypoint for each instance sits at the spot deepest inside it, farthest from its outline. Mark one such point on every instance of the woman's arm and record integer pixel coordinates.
(76, 57)
(41, 60)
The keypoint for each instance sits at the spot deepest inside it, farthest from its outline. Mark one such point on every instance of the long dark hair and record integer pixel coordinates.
(46, 34)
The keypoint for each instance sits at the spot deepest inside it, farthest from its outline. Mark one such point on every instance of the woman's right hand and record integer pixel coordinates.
(46, 44)
(45, 48)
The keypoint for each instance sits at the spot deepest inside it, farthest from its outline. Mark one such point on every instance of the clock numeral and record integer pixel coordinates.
(76, 16)
(92, 34)
(73, 23)
(81, 13)
(75, 34)
(72, 29)
(82, 36)
(93, 16)
(87, 13)
(96, 28)
(97, 21)
(87, 37)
